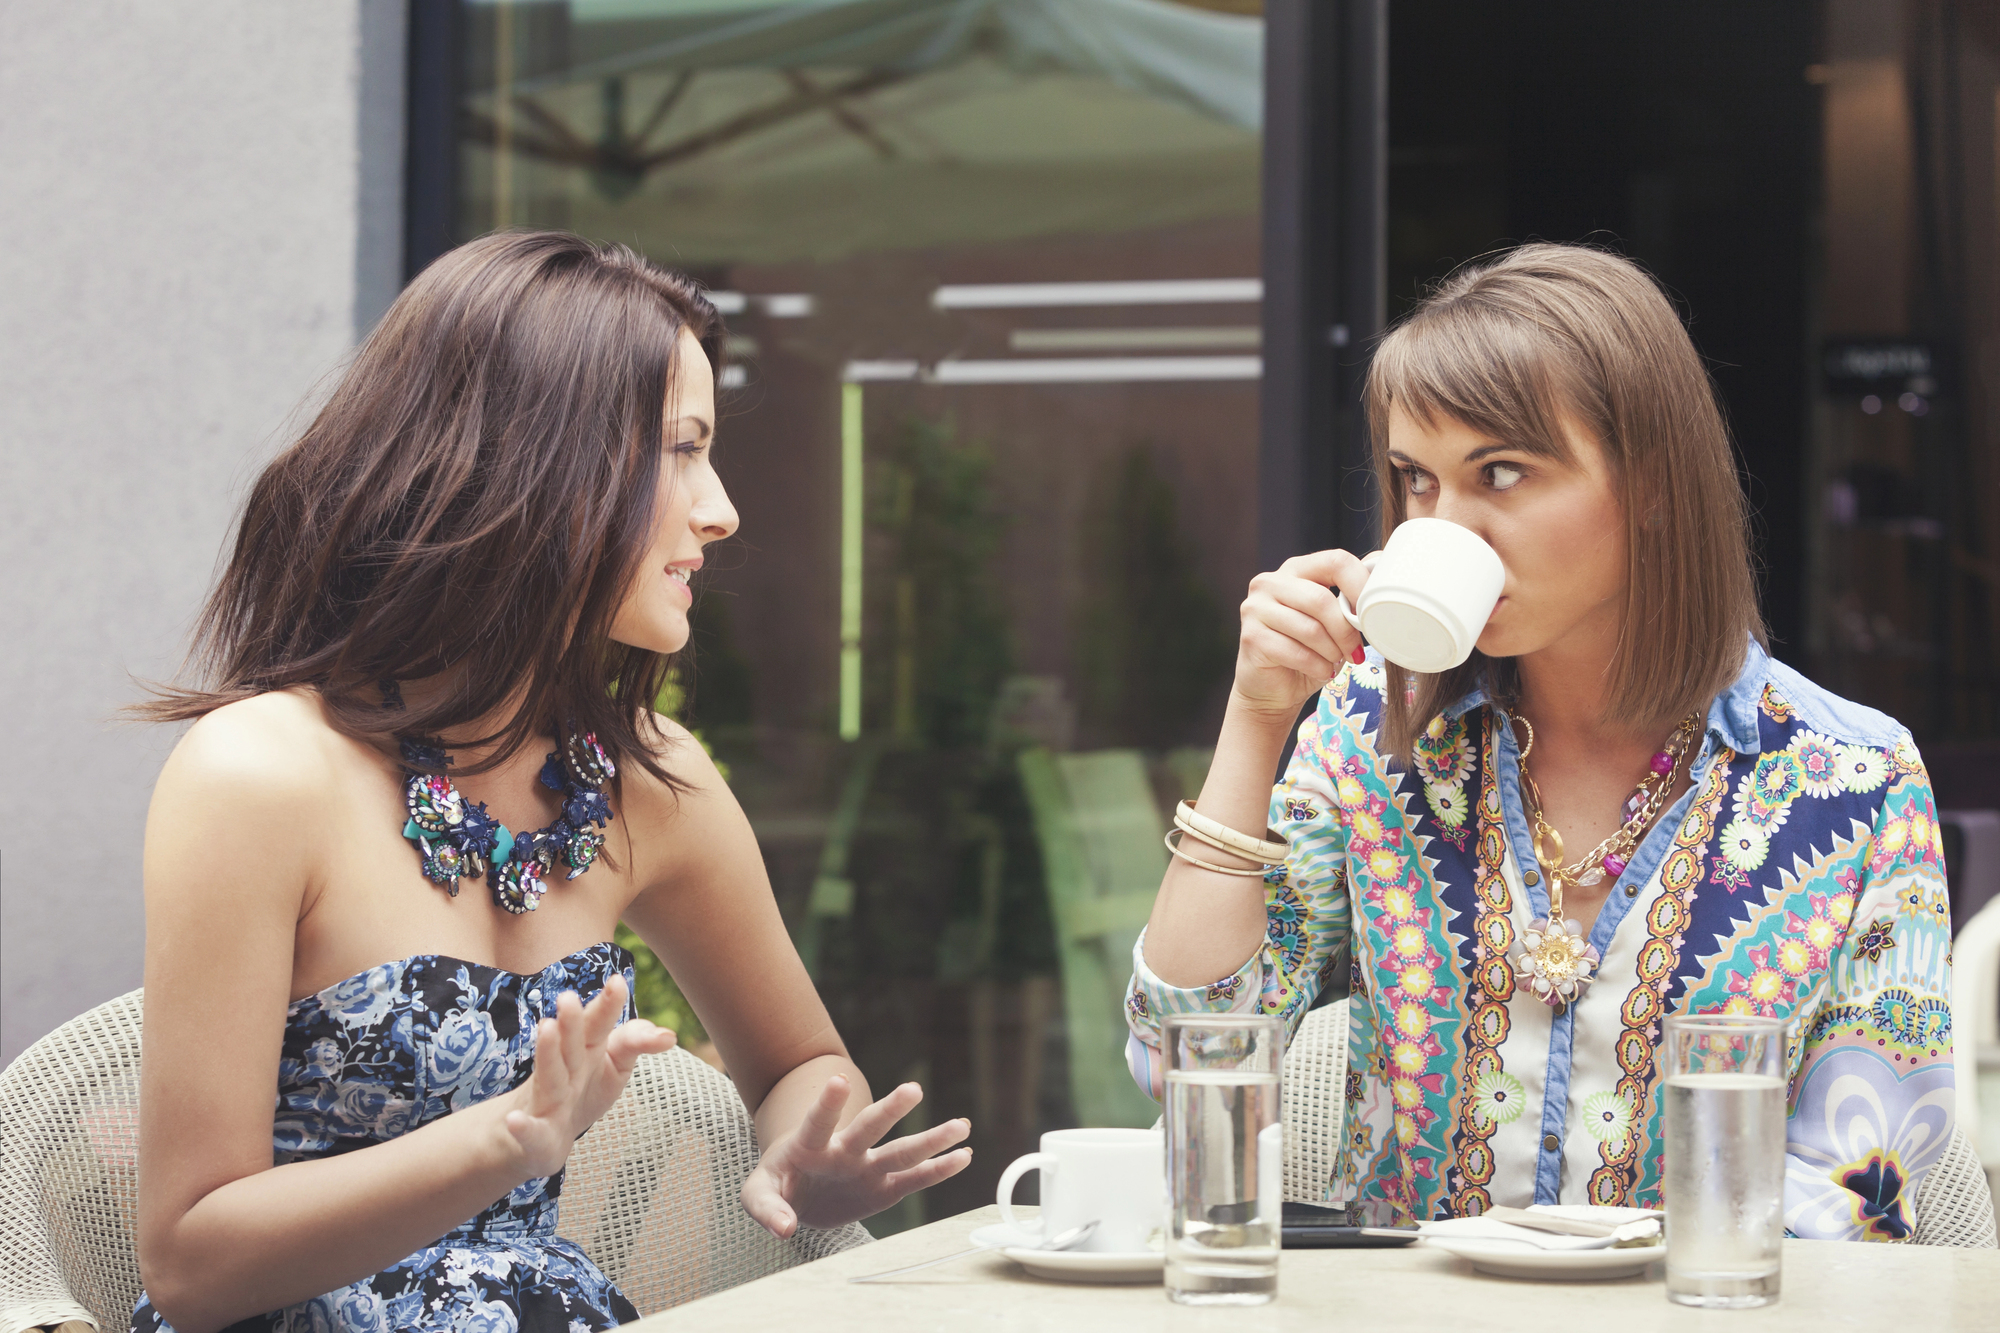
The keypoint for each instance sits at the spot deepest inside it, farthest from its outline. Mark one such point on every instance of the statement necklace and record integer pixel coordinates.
(459, 840)
(1555, 958)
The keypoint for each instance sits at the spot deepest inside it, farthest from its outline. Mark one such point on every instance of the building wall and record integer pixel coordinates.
(200, 212)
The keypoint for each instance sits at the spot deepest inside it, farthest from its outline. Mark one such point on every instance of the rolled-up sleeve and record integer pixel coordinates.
(1305, 902)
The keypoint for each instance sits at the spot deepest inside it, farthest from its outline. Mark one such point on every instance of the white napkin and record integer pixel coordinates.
(1632, 1224)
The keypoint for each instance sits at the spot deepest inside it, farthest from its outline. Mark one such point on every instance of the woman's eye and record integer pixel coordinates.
(1502, 476)
(690, 449)
(1417, 482)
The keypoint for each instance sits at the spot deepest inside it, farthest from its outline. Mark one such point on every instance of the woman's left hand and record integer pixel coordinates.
(821, 1175)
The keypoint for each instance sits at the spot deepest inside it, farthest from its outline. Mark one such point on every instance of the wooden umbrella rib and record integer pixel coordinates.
(481, 128)
(662, 109)
(845, 116)
(764, 117)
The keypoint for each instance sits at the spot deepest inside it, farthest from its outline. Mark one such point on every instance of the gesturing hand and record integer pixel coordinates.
(821, 1176)
(1294, 638)
(583, 1057)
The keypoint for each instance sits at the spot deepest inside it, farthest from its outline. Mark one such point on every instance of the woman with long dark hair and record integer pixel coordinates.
(1755, 845)
(423, 785)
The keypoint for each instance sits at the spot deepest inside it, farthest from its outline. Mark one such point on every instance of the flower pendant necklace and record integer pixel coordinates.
(1555, 958)
(458, 839)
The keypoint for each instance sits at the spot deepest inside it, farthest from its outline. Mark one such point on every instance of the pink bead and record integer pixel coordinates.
(1663, 762)
(1614, 866)
(1634, 804)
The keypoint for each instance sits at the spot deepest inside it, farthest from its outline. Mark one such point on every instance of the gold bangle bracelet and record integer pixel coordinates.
(1267, 850)
(1208, 865)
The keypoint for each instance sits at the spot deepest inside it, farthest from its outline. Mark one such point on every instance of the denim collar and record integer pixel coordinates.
(1466, 705)
(1732, 718)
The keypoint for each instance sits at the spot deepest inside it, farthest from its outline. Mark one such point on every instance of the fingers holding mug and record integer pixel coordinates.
(1326, 585)
(1345, 601)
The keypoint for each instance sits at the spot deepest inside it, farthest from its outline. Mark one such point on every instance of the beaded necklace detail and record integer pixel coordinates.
(457, 839)
(1556, 958)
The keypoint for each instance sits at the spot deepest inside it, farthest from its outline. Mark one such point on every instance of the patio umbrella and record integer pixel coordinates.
(723, 131)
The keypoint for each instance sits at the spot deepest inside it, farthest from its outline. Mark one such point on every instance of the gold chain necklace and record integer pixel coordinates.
(1556, 959)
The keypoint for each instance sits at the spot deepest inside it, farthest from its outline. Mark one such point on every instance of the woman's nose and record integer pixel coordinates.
(1457, 507)
(714, 517)
(1469, 516)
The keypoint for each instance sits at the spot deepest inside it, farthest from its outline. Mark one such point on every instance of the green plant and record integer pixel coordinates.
(947, 612)
(1152, 641)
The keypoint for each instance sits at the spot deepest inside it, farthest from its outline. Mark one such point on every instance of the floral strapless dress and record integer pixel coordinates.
(402, 1045)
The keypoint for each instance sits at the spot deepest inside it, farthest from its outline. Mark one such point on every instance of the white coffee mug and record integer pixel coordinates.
(1114, 1177)
(1431, 589)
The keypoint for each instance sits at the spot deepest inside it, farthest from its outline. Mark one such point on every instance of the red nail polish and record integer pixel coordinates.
(1358, 656)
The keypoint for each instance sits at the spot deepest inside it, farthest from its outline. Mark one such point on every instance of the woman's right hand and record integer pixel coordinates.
(583, 1058)
(1294, 639)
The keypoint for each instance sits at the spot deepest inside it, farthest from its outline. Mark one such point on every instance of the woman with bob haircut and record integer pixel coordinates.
(423, 784)
(1758, 845)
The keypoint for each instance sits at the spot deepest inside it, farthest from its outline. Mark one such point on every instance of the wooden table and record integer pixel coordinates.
(1880, 1288)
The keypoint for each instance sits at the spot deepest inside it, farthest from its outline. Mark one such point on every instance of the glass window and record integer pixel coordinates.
(991, 278)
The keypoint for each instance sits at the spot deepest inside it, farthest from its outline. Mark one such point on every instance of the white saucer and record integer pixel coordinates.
(1069, 1265)
(1507, 1259)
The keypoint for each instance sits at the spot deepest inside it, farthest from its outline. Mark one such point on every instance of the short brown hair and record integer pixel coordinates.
(477, 493)
(1514, 347)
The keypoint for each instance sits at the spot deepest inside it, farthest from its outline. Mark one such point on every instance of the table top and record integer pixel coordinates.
(1827, 1285)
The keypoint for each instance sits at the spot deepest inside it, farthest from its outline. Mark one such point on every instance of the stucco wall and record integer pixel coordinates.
(199, 208)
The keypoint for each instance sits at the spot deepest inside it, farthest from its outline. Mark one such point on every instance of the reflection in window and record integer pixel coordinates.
(991, 277)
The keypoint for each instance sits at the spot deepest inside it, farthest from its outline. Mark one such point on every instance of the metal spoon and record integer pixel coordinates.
(1062, 1240)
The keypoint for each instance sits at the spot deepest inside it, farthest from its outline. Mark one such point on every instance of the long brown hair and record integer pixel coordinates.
(473, 499)
(1512, 348)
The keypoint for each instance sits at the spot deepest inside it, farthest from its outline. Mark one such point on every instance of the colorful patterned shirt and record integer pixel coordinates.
(1801, 876)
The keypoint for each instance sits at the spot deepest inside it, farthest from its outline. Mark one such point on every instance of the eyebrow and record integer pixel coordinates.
(1398, 456)
(707, 428)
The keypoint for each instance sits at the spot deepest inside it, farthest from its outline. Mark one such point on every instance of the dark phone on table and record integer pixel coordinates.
(1308, 1226)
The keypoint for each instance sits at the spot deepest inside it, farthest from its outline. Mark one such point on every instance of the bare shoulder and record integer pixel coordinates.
(704, 800)
(681, 753)
(270, 750)
(237, 825)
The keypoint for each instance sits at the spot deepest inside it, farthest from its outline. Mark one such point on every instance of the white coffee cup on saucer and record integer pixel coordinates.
(1431, 589)
(1115, 1177)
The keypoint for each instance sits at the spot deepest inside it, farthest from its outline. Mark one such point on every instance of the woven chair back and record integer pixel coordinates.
(69, 1173)
(650, 1194)
(1315, 1103)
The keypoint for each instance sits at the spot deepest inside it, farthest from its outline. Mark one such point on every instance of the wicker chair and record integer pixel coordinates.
(1954, 1205)
(1314, 1102)
(651, 1191)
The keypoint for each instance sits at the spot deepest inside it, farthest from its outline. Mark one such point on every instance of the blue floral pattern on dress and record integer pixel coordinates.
(397, 1047)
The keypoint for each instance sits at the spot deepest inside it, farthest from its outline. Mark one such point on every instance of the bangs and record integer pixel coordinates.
(1489, 370)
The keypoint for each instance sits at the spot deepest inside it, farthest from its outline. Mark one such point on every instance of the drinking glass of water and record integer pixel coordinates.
(1225, 1158)
(1725, 1168)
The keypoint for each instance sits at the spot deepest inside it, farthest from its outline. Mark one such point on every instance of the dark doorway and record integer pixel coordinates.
(1685, 136)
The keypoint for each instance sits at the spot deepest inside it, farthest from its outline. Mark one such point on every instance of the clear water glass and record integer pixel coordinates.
(1725, 1167)
(1225, 1158)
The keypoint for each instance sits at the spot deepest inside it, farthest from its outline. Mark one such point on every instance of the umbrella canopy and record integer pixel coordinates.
(718, 131)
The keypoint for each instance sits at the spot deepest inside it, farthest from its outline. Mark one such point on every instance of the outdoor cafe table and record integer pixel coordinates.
(1827, 1286)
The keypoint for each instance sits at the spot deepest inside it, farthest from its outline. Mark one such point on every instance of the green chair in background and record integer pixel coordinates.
(1100, 833)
